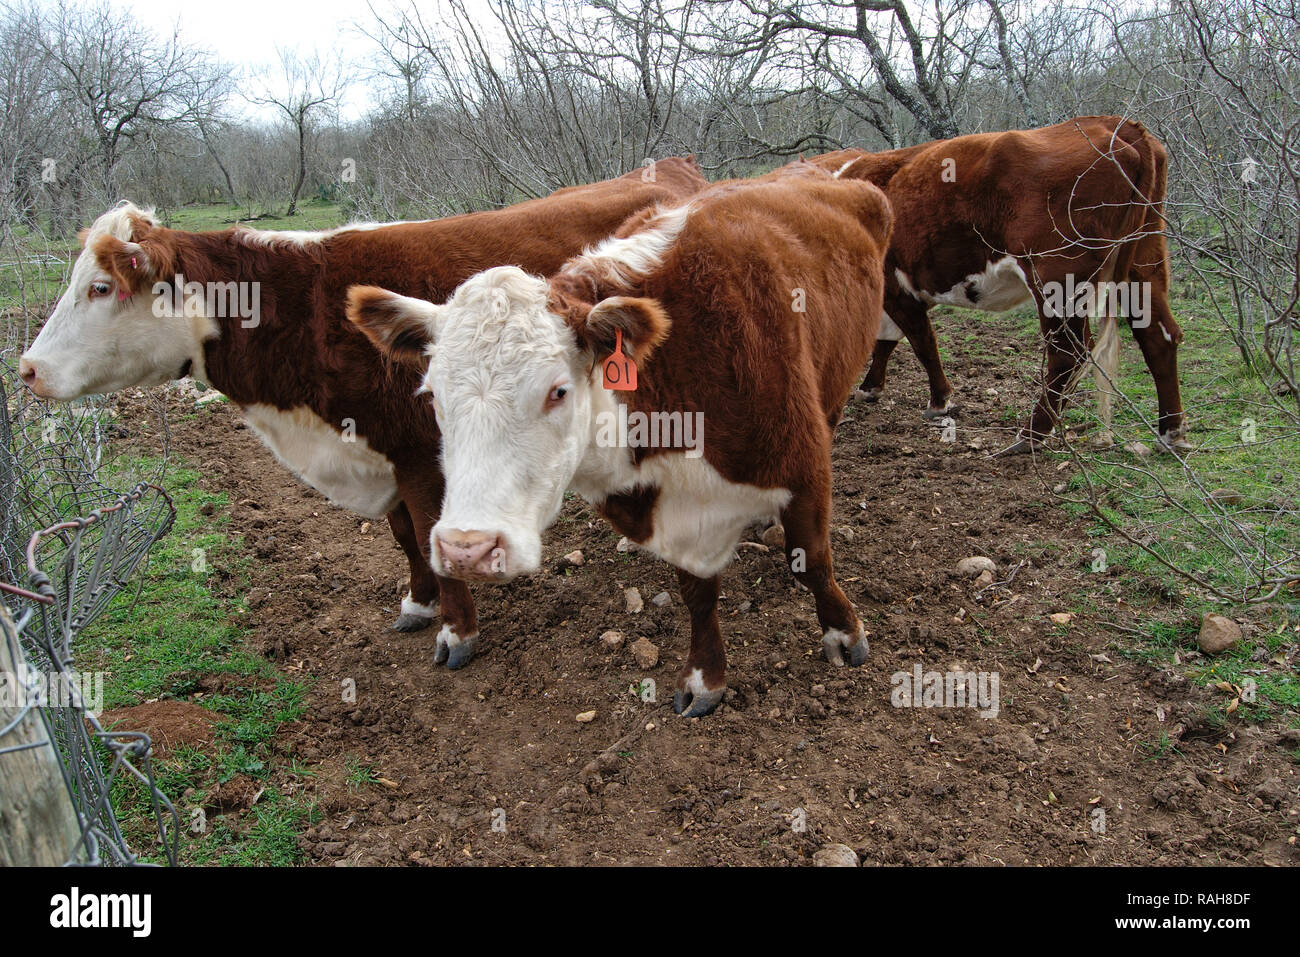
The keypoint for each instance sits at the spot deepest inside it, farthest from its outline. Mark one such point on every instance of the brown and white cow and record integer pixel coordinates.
(1050, 215)
(334, 410)
(748, 312)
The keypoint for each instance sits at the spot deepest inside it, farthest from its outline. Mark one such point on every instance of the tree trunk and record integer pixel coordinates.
(302, 166)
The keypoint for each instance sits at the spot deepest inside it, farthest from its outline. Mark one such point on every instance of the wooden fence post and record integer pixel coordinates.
(38, 824)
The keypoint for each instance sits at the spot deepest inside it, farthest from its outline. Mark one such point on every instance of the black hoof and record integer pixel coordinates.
(859, 652)
(697, 705)
(411, 623)
(454, 653)
(835, 644)
(1018, 447)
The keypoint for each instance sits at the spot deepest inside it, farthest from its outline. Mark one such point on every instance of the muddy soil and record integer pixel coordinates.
(490, 765)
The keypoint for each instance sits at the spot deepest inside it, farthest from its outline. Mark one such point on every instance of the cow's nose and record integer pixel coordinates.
(472, 553)
(27, 372)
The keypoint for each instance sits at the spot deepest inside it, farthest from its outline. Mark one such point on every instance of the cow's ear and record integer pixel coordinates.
(134, 265)
(399, 326)
(643, 322)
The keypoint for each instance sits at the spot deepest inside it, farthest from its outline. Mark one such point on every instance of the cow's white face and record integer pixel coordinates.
(103, 334)
(514, 404)
(513, 389)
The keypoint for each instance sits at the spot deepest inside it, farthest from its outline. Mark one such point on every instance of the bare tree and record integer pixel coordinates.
(303, 91)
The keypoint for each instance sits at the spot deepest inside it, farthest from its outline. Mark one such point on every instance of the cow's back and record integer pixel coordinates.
(774, 289)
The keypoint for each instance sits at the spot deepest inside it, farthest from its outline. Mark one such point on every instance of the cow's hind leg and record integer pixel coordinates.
(702, 682)
(808, 548)
(421, 603)
(1158, 338)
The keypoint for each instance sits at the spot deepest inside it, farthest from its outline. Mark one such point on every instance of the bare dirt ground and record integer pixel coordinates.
(488, 765)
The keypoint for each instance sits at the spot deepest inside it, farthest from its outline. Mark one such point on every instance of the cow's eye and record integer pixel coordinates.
(556, 396)
(100, 288)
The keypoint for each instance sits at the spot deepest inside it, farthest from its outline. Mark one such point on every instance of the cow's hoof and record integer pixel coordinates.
(1018, 447)
(411, 623)
(693, 698)
(835, 643)
(415, 616)
(697, 704)
(1172, 443)
(869, 395)
(940, 412)
(453, 650)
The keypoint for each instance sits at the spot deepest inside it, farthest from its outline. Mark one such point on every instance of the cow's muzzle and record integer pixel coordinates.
(472, 554)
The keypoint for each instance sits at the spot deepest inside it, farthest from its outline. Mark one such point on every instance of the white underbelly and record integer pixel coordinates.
(699, 516)
(1001, 286)
(345, 469)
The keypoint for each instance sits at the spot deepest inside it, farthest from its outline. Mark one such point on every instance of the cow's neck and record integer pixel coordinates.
(275, 359)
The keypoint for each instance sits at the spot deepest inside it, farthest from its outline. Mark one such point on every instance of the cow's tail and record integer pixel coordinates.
(1147, 205)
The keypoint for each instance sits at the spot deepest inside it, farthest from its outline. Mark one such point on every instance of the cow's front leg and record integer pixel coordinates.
(702, 682)
(808, 548)
(1067, 346)
(421, 602)
(458, 637)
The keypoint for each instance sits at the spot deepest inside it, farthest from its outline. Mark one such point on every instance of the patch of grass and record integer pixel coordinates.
(360, 775)
(180, 634)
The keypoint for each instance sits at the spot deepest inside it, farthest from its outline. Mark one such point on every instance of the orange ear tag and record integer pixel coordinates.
(619, 369)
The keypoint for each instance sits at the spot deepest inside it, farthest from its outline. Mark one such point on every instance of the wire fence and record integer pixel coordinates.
(75, 542)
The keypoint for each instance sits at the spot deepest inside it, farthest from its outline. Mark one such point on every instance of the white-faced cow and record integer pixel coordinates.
(747, 312)
(1067, 216)
(148, 304)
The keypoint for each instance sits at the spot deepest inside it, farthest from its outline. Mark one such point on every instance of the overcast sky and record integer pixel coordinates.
(247, 32)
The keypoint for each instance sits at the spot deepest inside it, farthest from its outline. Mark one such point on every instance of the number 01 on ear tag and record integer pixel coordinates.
(619, 369)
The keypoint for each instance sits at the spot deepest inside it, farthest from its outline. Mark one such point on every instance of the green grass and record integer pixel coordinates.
(1163, 503)
(183, 632)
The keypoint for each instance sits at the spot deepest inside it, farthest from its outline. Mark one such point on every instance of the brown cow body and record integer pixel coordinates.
(755, 307)
(993, 220)
(332, 408)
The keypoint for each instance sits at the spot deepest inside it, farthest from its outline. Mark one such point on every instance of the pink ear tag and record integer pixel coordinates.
(122, 294)
(619, 369)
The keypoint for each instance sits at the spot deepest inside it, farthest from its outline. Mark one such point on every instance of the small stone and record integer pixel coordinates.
(646, 652)
(844, 534)
(632, 599)
(1138, 449)
(365, 528)
(835, 855)
(613, 640)
(585, 717)
(661, 600)
(1218, 633)
(1226, 496)
(574, 558)
(971, 567)
(625, 544)
(985, 578)
(773, 537)
(1061, 618)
